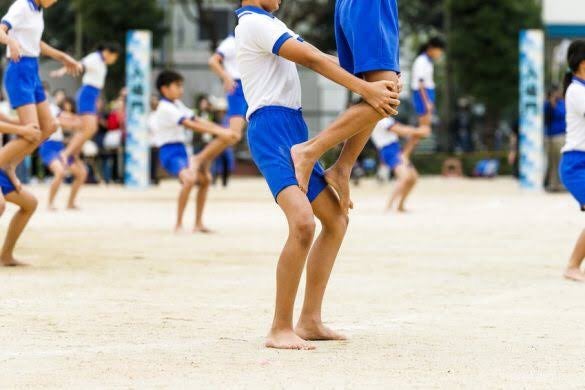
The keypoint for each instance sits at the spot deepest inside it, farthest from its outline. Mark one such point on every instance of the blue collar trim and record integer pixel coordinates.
(34, 6)
(252, 9)
(579, 80)
(164, 99)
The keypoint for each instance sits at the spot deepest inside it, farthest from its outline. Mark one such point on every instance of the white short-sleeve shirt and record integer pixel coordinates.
(57, 135)
(267, 79)
(227, 50)
(382, 135)
(25, 25)
(423, 70)
(168, 122)
(575, 103)
(95, 70)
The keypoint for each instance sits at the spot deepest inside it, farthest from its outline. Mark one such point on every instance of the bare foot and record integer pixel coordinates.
(303, 166)
(202, 229)
(73, 207)
(287, 339)
(11, 173)
(318, 332)
(340, 183)
(51, 208)
(12, 262)
(179, 230)
(574, 274)
(402, 209)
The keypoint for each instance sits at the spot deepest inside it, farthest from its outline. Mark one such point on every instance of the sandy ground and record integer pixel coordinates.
(464, 292)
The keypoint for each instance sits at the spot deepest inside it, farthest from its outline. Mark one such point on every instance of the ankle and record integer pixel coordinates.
(310, 318)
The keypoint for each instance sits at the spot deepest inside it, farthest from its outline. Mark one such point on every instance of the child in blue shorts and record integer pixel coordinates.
(367, 36)
(21, 30)
(95, 71)
(16, 195)
(386, 136)
(572, 167)
(423, 86)
(267, 54)
(170, 121)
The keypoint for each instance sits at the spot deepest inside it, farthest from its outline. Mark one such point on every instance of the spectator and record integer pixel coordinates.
(555, 130)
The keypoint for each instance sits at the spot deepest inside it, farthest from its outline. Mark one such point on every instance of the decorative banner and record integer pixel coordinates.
(138, 69)
(532, 159)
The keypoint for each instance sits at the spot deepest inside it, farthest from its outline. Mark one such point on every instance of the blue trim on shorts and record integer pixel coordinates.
(23, 82)
(572, 173)
(87, 99)
(272, 132)
(174, 158)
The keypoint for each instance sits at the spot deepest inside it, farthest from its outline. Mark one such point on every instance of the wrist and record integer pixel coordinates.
(362, 88)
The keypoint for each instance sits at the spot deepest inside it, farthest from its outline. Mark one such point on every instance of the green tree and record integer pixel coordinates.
(483, 50)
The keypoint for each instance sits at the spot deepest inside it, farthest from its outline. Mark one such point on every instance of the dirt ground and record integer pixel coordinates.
(463, 292)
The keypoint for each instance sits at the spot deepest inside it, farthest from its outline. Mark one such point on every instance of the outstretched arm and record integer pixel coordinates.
(205, 126)
(73, 67)
(381, 95)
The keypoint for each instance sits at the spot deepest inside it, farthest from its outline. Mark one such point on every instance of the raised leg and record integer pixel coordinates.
(89, 126)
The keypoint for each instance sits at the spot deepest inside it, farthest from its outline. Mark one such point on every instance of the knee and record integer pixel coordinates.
(189, 181)
(336, 225)
(51, 128)
(303, 230)
(31, 205)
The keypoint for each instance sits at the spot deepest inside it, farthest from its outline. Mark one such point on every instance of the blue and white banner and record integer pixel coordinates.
(532, 159)
(138, 70)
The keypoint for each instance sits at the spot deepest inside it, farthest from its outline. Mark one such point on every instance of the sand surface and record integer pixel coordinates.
(464, 292)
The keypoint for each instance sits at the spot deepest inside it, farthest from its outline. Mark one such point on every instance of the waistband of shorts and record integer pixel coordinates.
(287, 110)
(25, 60)
(580, 153)
(92, 87)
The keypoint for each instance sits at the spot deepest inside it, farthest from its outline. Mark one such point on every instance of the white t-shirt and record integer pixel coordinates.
(95, 70)
(267, 79)
(575, 102)
(423, 70)
(227, 50)
(26, 24)
(382, 135)
(57, 135)
(167, 122)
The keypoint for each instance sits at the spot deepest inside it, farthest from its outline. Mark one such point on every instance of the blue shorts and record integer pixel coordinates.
(367, 35)
(6, 185)
(419, 104)
(272, 132)
(87, 98)
(174, 158)
(50, 151)
(572, 172)
(390, 155)
(237, 105)
(23, 83)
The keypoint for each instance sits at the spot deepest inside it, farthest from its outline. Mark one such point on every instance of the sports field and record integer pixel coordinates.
(464, 291)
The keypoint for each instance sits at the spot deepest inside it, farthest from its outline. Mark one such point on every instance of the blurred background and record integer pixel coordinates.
(478, 78)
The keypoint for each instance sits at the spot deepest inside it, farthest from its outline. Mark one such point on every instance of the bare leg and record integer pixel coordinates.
(28, 204)
(402, 175)
(187, 178)
(217, 146)
(58, 175)
(319, 266)
(2, 204)
(355, 126)
(410, 183)
(424, 120)
(79, 172)
(204, 179)
(573, 271)
(89, 124)
(299, 214)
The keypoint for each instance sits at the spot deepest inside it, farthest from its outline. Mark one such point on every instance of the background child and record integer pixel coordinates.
(572, 167)
(386, 138)
(170, 121)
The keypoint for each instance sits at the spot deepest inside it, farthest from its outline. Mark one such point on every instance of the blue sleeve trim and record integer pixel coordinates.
(300, 39)
(181, 120)
(7, 23)
(279, 42)
(219, 53)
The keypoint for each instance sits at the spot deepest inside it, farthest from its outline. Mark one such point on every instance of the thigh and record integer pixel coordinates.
(326, 206)
(294, 204)
(28, 114)
(89, 122)
(23, 199)
(47, 121)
